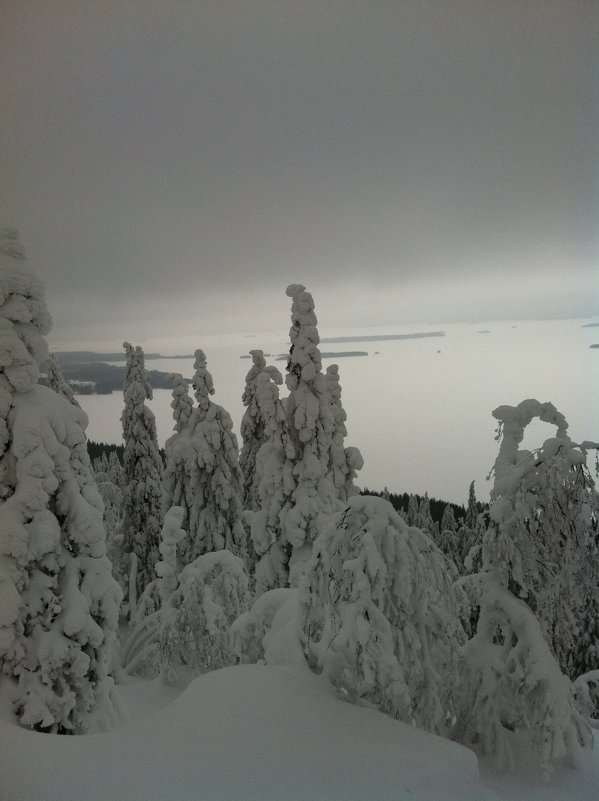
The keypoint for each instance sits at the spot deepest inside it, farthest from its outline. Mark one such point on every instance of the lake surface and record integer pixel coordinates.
(419, 409)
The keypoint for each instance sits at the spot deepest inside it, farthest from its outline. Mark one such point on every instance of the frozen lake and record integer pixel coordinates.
(418, 409)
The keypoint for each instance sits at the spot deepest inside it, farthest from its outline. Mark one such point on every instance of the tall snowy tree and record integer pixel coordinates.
(143, 476)
(274, 478)
(468, 554)
(253, 426)
(343, 462)
(59, 604)
(203, 475)
(543, 512)
(310, 428)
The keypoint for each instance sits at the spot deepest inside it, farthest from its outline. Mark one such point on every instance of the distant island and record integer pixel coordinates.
(330, 355)
(590, 325)
(596, 345)
(87, 373)
(383, 337)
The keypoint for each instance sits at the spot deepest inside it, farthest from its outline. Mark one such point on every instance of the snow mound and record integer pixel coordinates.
(245, 732)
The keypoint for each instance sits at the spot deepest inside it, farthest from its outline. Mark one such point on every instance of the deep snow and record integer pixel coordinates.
(261, 732)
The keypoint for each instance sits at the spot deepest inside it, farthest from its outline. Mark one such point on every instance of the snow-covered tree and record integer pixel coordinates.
(202, 474)
(196, 620)
(425, 521)
(512, 685)
(543, 508)
(274, 477)
(253, 427)
(310, 428)
(141, 650)
(143, 476)
(57, 382)
(59, 604)
(412, 515)
(181, 404)
(469, 537)
(447, 537)
(344, 463)
(379, 615)
(112, 499)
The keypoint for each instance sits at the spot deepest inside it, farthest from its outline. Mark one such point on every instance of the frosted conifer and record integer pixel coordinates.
(143, 476)
(274, 477)
(513, 684)
(413, 510)
(379, 616)
(543, 514)
(203, 476)
(310, 427)
(253, 434)
(59, 604)
(343, 462)
(57, 382)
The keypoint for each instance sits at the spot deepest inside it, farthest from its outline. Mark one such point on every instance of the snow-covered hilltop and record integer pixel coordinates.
(325, 636)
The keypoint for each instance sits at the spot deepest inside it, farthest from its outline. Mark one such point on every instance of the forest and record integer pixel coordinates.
(478, 624)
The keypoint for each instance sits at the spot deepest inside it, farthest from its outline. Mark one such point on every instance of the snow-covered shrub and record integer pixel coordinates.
(544, 509)
(196, 620)
(270, 630)
(512, 684)
(143, 477)
(59, 604)
(379, 616)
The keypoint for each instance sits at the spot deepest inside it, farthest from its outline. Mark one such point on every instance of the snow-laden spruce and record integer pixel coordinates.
(109, 476)
(470, 534)
(56, 380)
(344, 463)
(310, 428)
(202, 473)
(379, 615)
(253, 429)
(274, 477)
(512, 684)
(59, 604)
(544, 510)
(143, 477)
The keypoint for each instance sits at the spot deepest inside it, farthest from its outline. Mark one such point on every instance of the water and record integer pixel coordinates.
(419, 409)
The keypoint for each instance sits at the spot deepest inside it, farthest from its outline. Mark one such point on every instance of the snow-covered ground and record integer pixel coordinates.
(262, 732)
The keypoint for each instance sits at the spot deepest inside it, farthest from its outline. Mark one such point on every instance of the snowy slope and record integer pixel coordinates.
(248, 732)
(261, 733)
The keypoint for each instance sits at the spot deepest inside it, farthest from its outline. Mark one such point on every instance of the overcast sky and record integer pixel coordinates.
(407, 161)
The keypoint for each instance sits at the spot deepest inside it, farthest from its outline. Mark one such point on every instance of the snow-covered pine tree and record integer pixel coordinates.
(447, 539)
(310, 427)
(468, 554)
(379, 615)
(274, 477)
(344, 463)
(425, 521)
(59, 604)
(142, 518)
(112, 498)
(544, 509)
(253, 434)
(57, 382)
(203, 475)
(413, 510)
